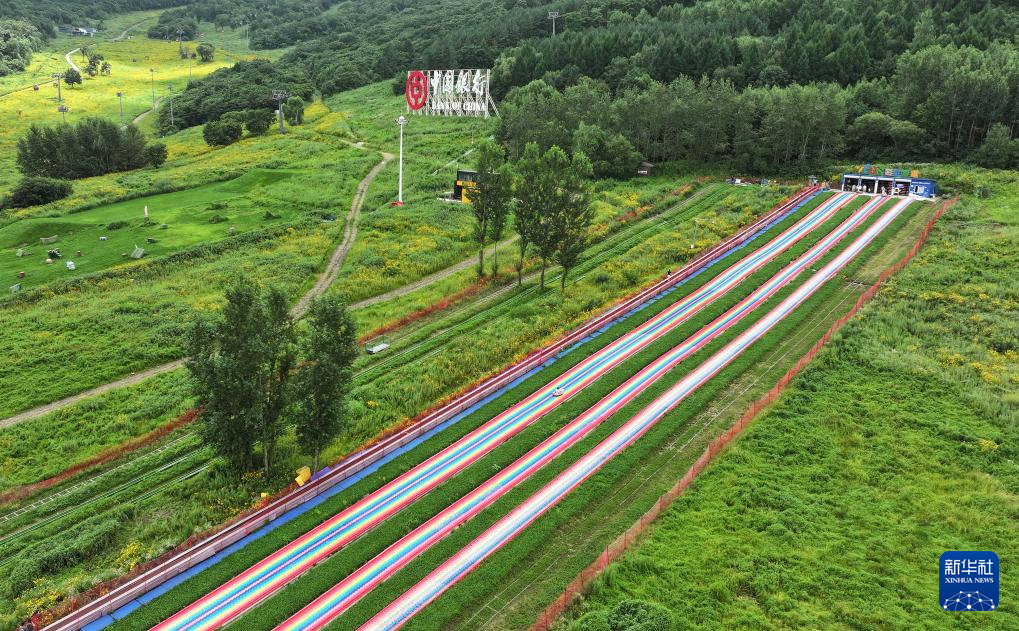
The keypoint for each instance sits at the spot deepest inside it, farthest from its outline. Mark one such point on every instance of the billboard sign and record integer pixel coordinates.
(449, 92)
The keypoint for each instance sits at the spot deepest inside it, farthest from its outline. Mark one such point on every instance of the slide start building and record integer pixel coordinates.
(889, 182)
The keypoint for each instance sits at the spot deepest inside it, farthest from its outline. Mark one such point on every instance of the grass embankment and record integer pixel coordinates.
(163, 520)
(420, 511)
(895, 445)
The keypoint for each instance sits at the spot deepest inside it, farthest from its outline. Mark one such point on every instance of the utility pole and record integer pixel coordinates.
(399, 192)
(120, 95)
(56, 80)
(552, 15)
(180, 41)
(63, 112)
(152, 72)
(279, 96)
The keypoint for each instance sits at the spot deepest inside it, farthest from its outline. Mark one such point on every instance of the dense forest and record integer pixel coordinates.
(48, 15)
(753, 82)
(18, 40)
(244, 86)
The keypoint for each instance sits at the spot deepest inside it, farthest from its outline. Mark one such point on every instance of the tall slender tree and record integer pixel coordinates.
(490, 197)
(527, 214)
(221, 357)
(240, 368)
(324, 381)
(572, 212)
(278, 357)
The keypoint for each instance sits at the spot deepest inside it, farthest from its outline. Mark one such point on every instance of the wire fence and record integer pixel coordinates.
(578, 586)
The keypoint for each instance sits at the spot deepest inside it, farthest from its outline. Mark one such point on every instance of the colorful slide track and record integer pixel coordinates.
(343, 595)
(275, 571)
(463, 562)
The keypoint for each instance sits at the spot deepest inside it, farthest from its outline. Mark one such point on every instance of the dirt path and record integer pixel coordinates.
(138, 119)
(129, 29)
(431, 278)
(70, 63)
(349, 234)
(133, 378)
(321, 284)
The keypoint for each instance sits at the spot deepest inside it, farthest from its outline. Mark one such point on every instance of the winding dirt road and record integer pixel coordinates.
(321, 284)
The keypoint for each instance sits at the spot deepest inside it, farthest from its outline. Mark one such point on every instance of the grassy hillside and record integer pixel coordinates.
(896, 445)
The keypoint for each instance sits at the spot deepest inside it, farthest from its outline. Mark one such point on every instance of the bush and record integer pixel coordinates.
(116, 225)
(611, 154)
(155, 154)
(206, 51)
(638, 615)
(217, 219)
(222, 132)
(257, 121)
(32, 191)
(593, 621)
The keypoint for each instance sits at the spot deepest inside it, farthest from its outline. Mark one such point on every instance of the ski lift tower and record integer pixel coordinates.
(279, 96)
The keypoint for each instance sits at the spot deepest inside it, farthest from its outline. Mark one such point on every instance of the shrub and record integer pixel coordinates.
(257, 121)
(222, 132)
(116, 225)
(638, 615)
(155, 154)
(293, 110)
(593, 621)
(32, 191)
(217, 219)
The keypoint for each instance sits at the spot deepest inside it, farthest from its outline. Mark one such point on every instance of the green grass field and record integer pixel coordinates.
(104, 235)
(131, 61)
(445, 494)
(895, 445)
(380, 398)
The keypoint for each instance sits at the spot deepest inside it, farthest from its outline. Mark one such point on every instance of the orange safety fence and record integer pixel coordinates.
(614, 550)
(18, 493)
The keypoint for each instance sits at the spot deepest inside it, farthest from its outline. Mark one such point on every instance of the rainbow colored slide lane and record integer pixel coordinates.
(469, 557)
(344, 594)
(272, 573)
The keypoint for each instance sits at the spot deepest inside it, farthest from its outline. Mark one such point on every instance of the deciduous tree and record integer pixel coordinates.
(490, 198)
(326, 376)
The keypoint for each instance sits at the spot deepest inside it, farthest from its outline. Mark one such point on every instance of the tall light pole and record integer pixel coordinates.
(552, 15)
(56, 79)
(399, 191)
(152, 72)
(279, 96)
(63, 112)
(120, 95)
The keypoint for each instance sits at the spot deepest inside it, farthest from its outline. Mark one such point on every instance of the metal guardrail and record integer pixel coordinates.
(202, 550)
